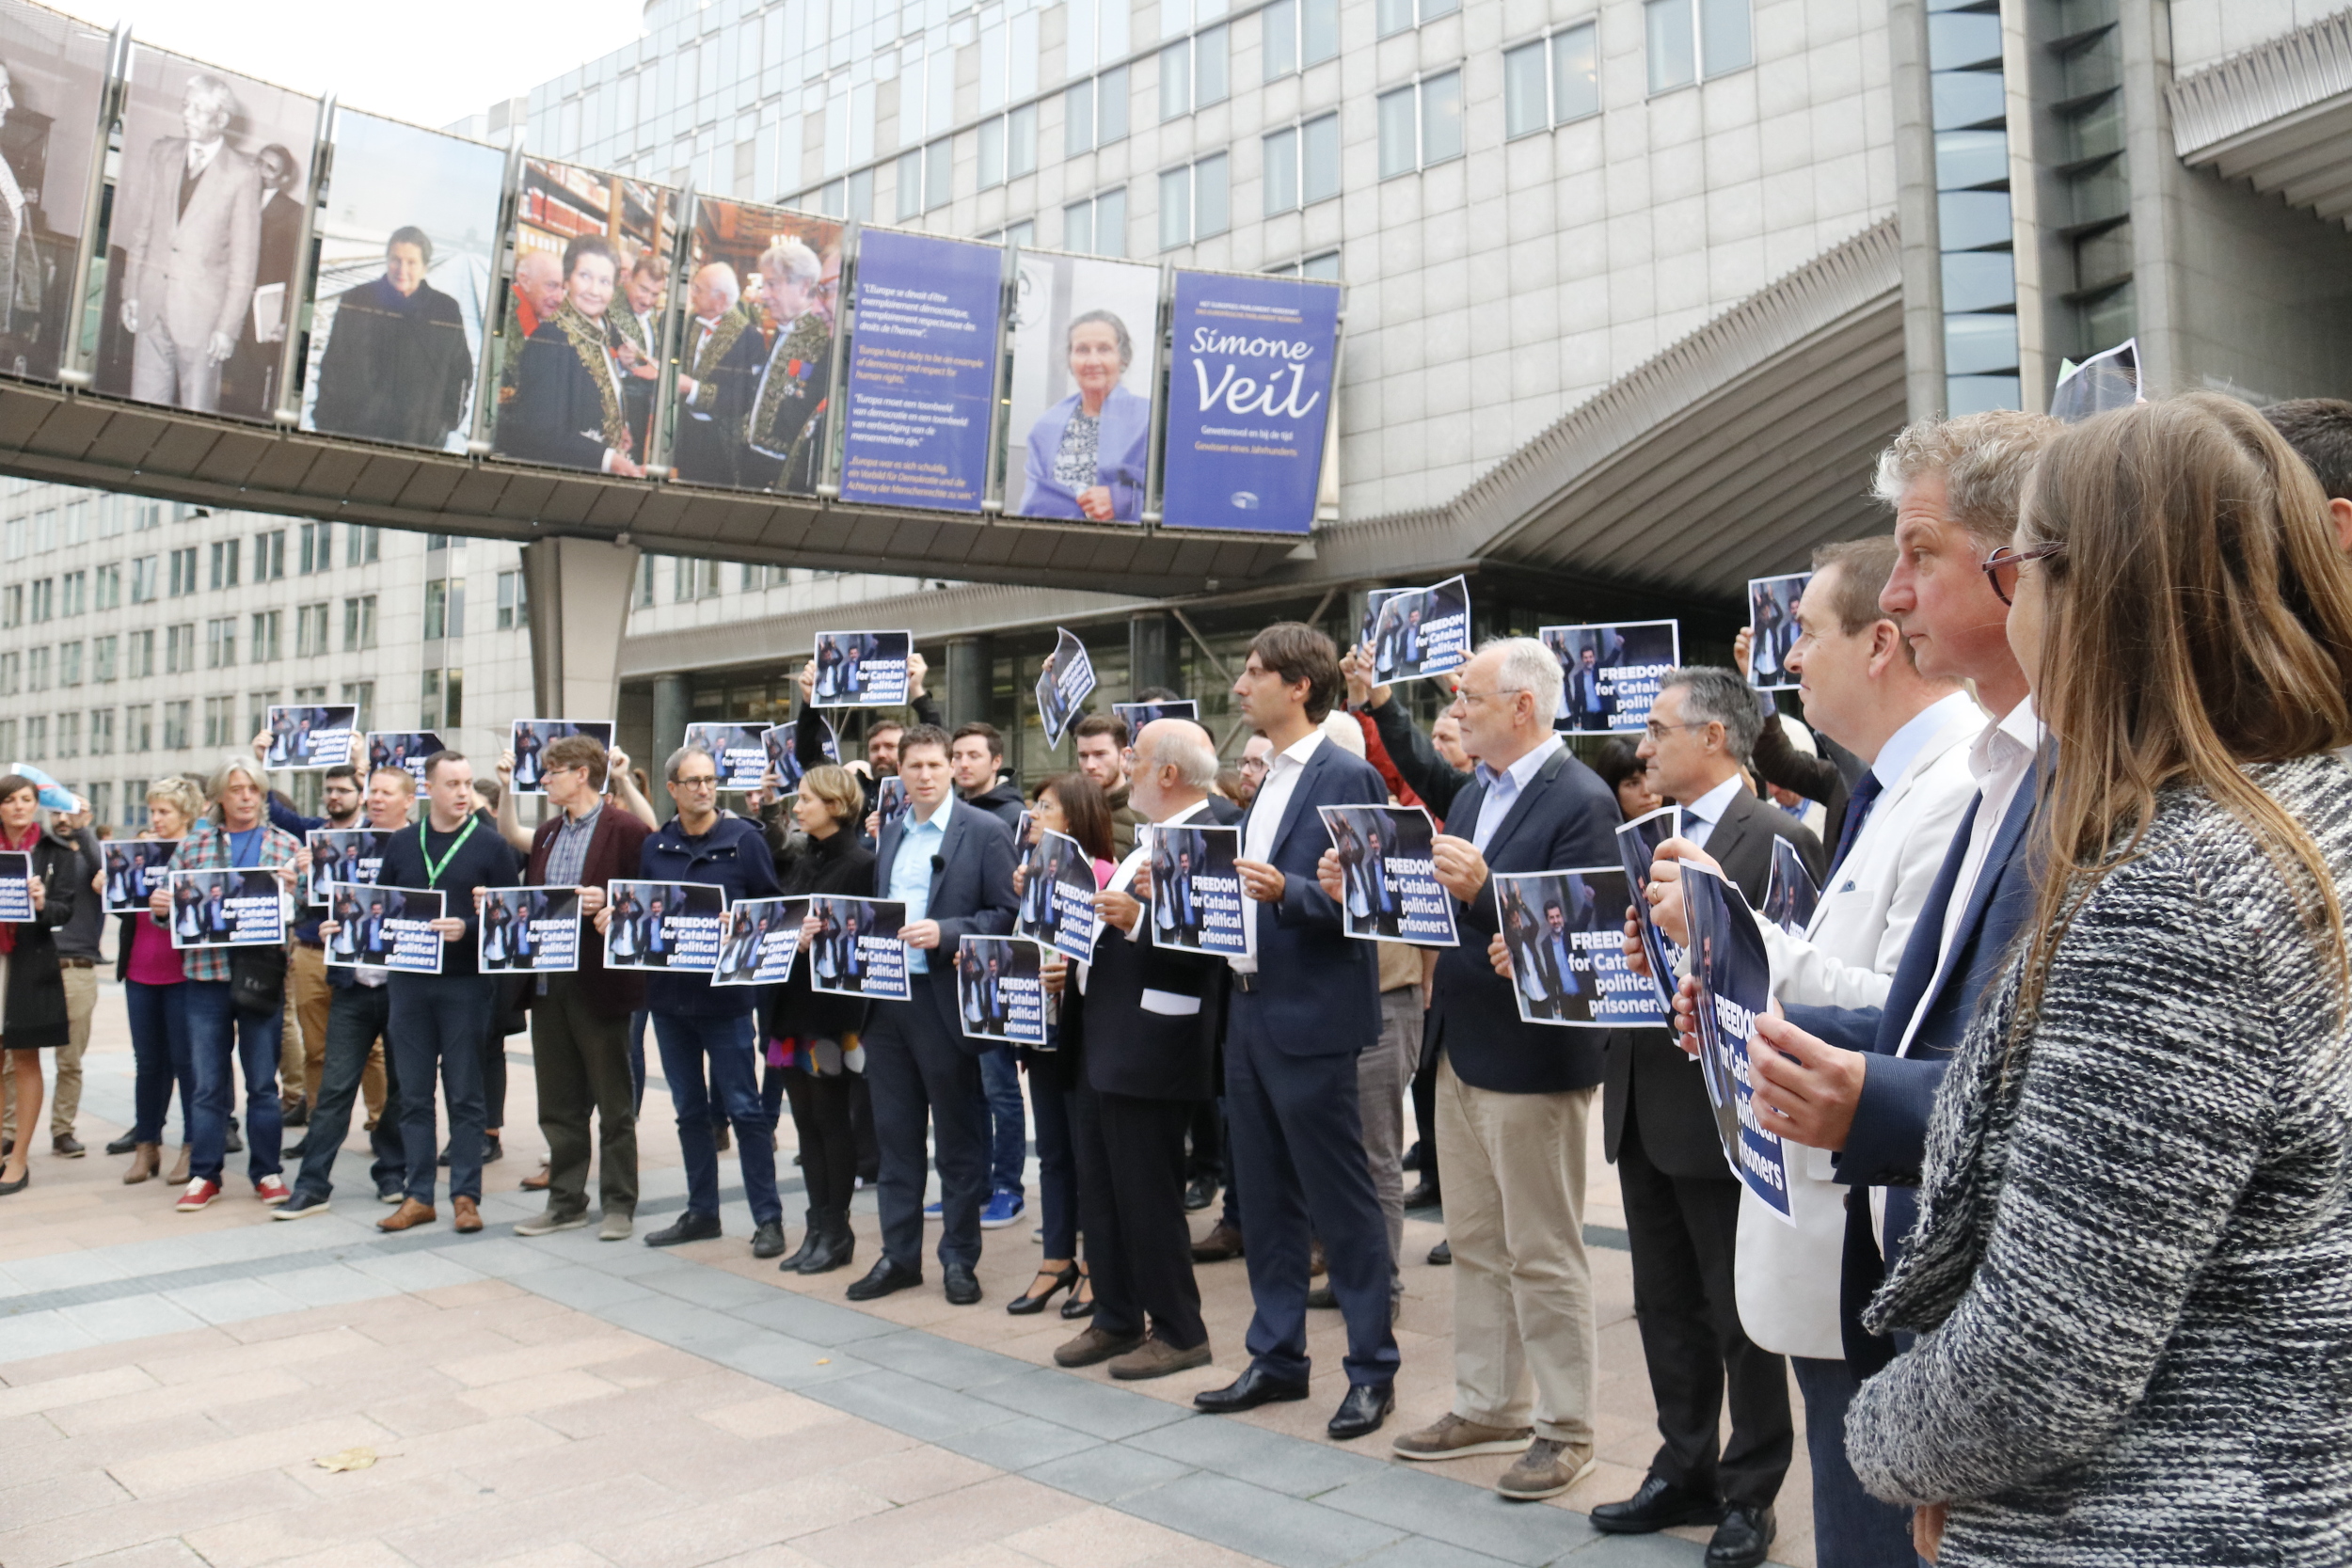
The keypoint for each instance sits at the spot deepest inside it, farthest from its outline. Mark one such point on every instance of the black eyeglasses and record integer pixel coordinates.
(2009, 558)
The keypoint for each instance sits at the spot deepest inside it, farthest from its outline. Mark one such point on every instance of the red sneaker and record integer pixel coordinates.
(199, 1195)
(272, 1191)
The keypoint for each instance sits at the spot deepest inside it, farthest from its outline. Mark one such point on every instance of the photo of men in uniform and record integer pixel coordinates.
(789, 430)
(718, 378)
(52, 76)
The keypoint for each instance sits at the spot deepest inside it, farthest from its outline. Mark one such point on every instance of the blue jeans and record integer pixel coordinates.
(216, 1032)
(1057, 1164)
(356, 1016)
(688, 1045)
(435, 1025)
(1851, 1527)
(159, 1047)
(1008, 1135)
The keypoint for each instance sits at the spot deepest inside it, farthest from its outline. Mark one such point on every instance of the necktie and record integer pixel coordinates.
(1866, 795)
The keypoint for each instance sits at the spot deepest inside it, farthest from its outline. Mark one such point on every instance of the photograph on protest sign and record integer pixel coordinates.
(783, 758)
(1637, 846)
(1414, 632)
(1773, 629)
(862, 669)
(203, 266)
(407, 265)
(856, 950)
(663, 925)
(313, 736)
(1610, 675)
(1078, 425)
(999, 991)
(1790, 897)
(922, 372)
(741, 752)
(223, 909)
(16, 886)
(1390, 887)
(406, 750)
(579, 354)
(531, 930)
(1564, 931)
(890, 800)
(1057, 895)
(135, 869)
(391, 928)
(2108, 380)
(1063, 684)
(1196, 893)
(1734, 971)
(756, 351)
(762, 938)
(55, 68)
(1139, 714)
(531, 738)
(1250, 375)
(344, 855)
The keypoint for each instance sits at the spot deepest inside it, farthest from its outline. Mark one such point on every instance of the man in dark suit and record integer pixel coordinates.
(249, 381)
(1380, 893)
(373, 939)
(1590, 701)
(721, 378)
(1681, 1199)
(951, 866)
(1147, 1066)
(1514, 1099)
(1306, 1003)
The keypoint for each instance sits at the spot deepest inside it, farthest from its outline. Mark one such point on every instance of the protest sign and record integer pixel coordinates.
(740, 750)
(406, 750)
(1735, 984)
(782, 743)
(1057, 897)
(1773, 629)
(344, 855)
(395, 931)
(862, 669)
(890, 799)
(224, 909)
(856, 950)
(672, 926)
(1414, 632)
(1063, 684)
(1610, 675)
(530, 738)
(16, 886)
(763, 937)
(1137, 715)
(1790, 897)
(1564, 931)
(922, 372)
(135, 870)
(533, 930)
(2107, 380)
(1196, 893)
(999, 992)
(311, 736)
(1390, 887)
(1637, 846)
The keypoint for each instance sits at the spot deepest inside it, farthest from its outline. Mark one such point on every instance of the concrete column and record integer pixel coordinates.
(672, 704)
(971, 666)
(1915, 209)
(579, 592)
(1152, 650)
(2160, 181)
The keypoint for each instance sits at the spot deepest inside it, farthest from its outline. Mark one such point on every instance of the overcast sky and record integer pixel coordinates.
(427, 62)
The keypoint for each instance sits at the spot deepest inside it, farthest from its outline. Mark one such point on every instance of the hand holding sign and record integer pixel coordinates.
(1461, 870)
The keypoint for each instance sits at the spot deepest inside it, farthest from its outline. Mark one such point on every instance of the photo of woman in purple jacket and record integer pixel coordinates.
(1088, 452)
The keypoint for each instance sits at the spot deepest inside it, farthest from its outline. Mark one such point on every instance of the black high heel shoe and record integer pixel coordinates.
(1064, 1278)
(8, 1188)
(1076, 1306)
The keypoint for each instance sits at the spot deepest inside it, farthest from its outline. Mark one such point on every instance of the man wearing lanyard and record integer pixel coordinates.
(435, 1021)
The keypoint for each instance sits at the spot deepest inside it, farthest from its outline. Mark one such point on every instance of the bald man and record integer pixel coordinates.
(537, 293)
(716, 389)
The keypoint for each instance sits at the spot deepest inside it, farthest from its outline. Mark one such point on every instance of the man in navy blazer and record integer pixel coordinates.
(1306, 1002)
(951, 865)
(1514, 1100)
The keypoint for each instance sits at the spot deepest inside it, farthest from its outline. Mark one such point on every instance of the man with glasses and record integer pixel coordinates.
(1255, 754)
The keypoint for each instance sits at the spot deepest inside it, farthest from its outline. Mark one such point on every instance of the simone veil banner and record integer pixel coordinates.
(1248, 399)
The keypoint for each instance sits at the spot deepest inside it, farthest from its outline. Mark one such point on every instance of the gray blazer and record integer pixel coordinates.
(192, 272)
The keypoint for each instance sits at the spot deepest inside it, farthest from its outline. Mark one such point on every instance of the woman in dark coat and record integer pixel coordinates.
(32, 999)
(396, 367)
(567, 408)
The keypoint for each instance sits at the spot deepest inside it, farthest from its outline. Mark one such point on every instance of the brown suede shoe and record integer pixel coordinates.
(407, 1216)
(1218, 1244)
(469, 1215)
(538, 1183)
(1157, 1358)
(1453, 1437)
(1095, 1344)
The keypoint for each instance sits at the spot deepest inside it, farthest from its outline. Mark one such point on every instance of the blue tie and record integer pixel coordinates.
(1866, 795)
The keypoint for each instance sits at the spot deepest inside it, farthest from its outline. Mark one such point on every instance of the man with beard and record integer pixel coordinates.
(396, 365)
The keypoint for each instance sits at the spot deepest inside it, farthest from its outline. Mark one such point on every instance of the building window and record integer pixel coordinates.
(644, 582)
(513, 608)
(1551, 80)
(12, 606)
(220, 721)
(1420, 124)
(68, 664)
(141, 663)
(442, 700)
(183, 571)
(102, 796)
(74, 597)
(361, 544)
(1195, 72)
(1097, 226)
(143, 579)
(36, 738)
(444, 608)
(1970, 116)
(138, 727)
(220, 642)
(7, 737)
(178, 717)
(149, 515)
(261, 636)
(1097, 32)
(69, 734)
(269, 556)
(1094, 114)
(44, 600)
(1395, 16)
(109, 588)
(1008, 146)
(692, 578)
(103, 653)
(37, 669)
(310, 631)
(1297, 34)
(226, 554)
(317, 550)
(180, 648)
(1695, 41)
(1302, 163)
(11, 674)
(359, 622)
(256, 707)
(362, 695)
(1193, 202)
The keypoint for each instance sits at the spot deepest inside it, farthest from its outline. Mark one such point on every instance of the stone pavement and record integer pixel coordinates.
(167, 1383)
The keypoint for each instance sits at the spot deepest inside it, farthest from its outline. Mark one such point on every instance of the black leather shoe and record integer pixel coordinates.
(1360, 1414)
(297, 1150)
(1254, 1388)
(1063, 1279)
(1422, 1196)
(1199, 1193)
(767, 1241)
(830, 1246)
(1659, 1505)
(1322, 1299)
(963, 1288)
(690, 1227)
(123, 1145)
(1743, 1537)
(1443, 1255)
(884, 1277)
(237, 1139)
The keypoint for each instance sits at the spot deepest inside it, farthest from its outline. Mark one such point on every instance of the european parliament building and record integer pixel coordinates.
(1633, 293)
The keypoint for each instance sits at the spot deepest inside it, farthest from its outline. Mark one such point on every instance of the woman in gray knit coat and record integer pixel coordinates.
(2132, 1276)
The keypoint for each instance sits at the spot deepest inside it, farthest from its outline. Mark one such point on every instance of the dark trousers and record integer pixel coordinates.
(861, 1130)
(579, 1060)
(1008, 1116)
(1207, 1155)
(637, 1060)
(1682, 1231)
(1851, 1527)
(1425, 1115)
(691, 1045)
(1131, 1193)
(355, 1019)
(919, 1073)
(159, 1050)
(1057, 1162)
(434, 1030)
(494, 1070)
(1298, 1154)
(821, 1119)
(218, 1035)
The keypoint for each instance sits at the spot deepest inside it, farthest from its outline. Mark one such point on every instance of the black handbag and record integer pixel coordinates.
(257, 980)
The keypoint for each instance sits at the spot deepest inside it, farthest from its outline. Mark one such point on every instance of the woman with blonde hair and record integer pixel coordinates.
(2131, 1279)
(152, 972)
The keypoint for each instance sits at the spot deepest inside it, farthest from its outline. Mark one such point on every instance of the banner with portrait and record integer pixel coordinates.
(922, 372)
(1078, 425)
(1386, 877)
(1609, 676)
(578, 358)
(741, 752)
(1413, 632)
(756, 349)
(762, 938)
(999, 990)
(1773, 629)
(1734, 971)
(672, 926)
(407, 257)
(856, 950)
(1564, 931)
(204, 273)
(1196, 893)
(530, 930)
(531, 738)
(55, 71)
(1250, 389)
(135, 869)
(862, 669)
(1065, 681)
(227, 909)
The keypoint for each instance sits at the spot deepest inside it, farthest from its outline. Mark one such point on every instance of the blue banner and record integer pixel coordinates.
(1249, 393)
(922, 372)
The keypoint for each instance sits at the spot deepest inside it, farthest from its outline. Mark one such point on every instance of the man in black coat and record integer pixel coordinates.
(396, 367)
(568, 407)
(720, 378)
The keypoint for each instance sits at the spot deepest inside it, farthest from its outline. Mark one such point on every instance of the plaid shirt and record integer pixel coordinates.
(206, 848)
(568, 852)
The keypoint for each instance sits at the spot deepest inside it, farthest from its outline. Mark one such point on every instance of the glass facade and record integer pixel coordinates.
(1975, 227)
